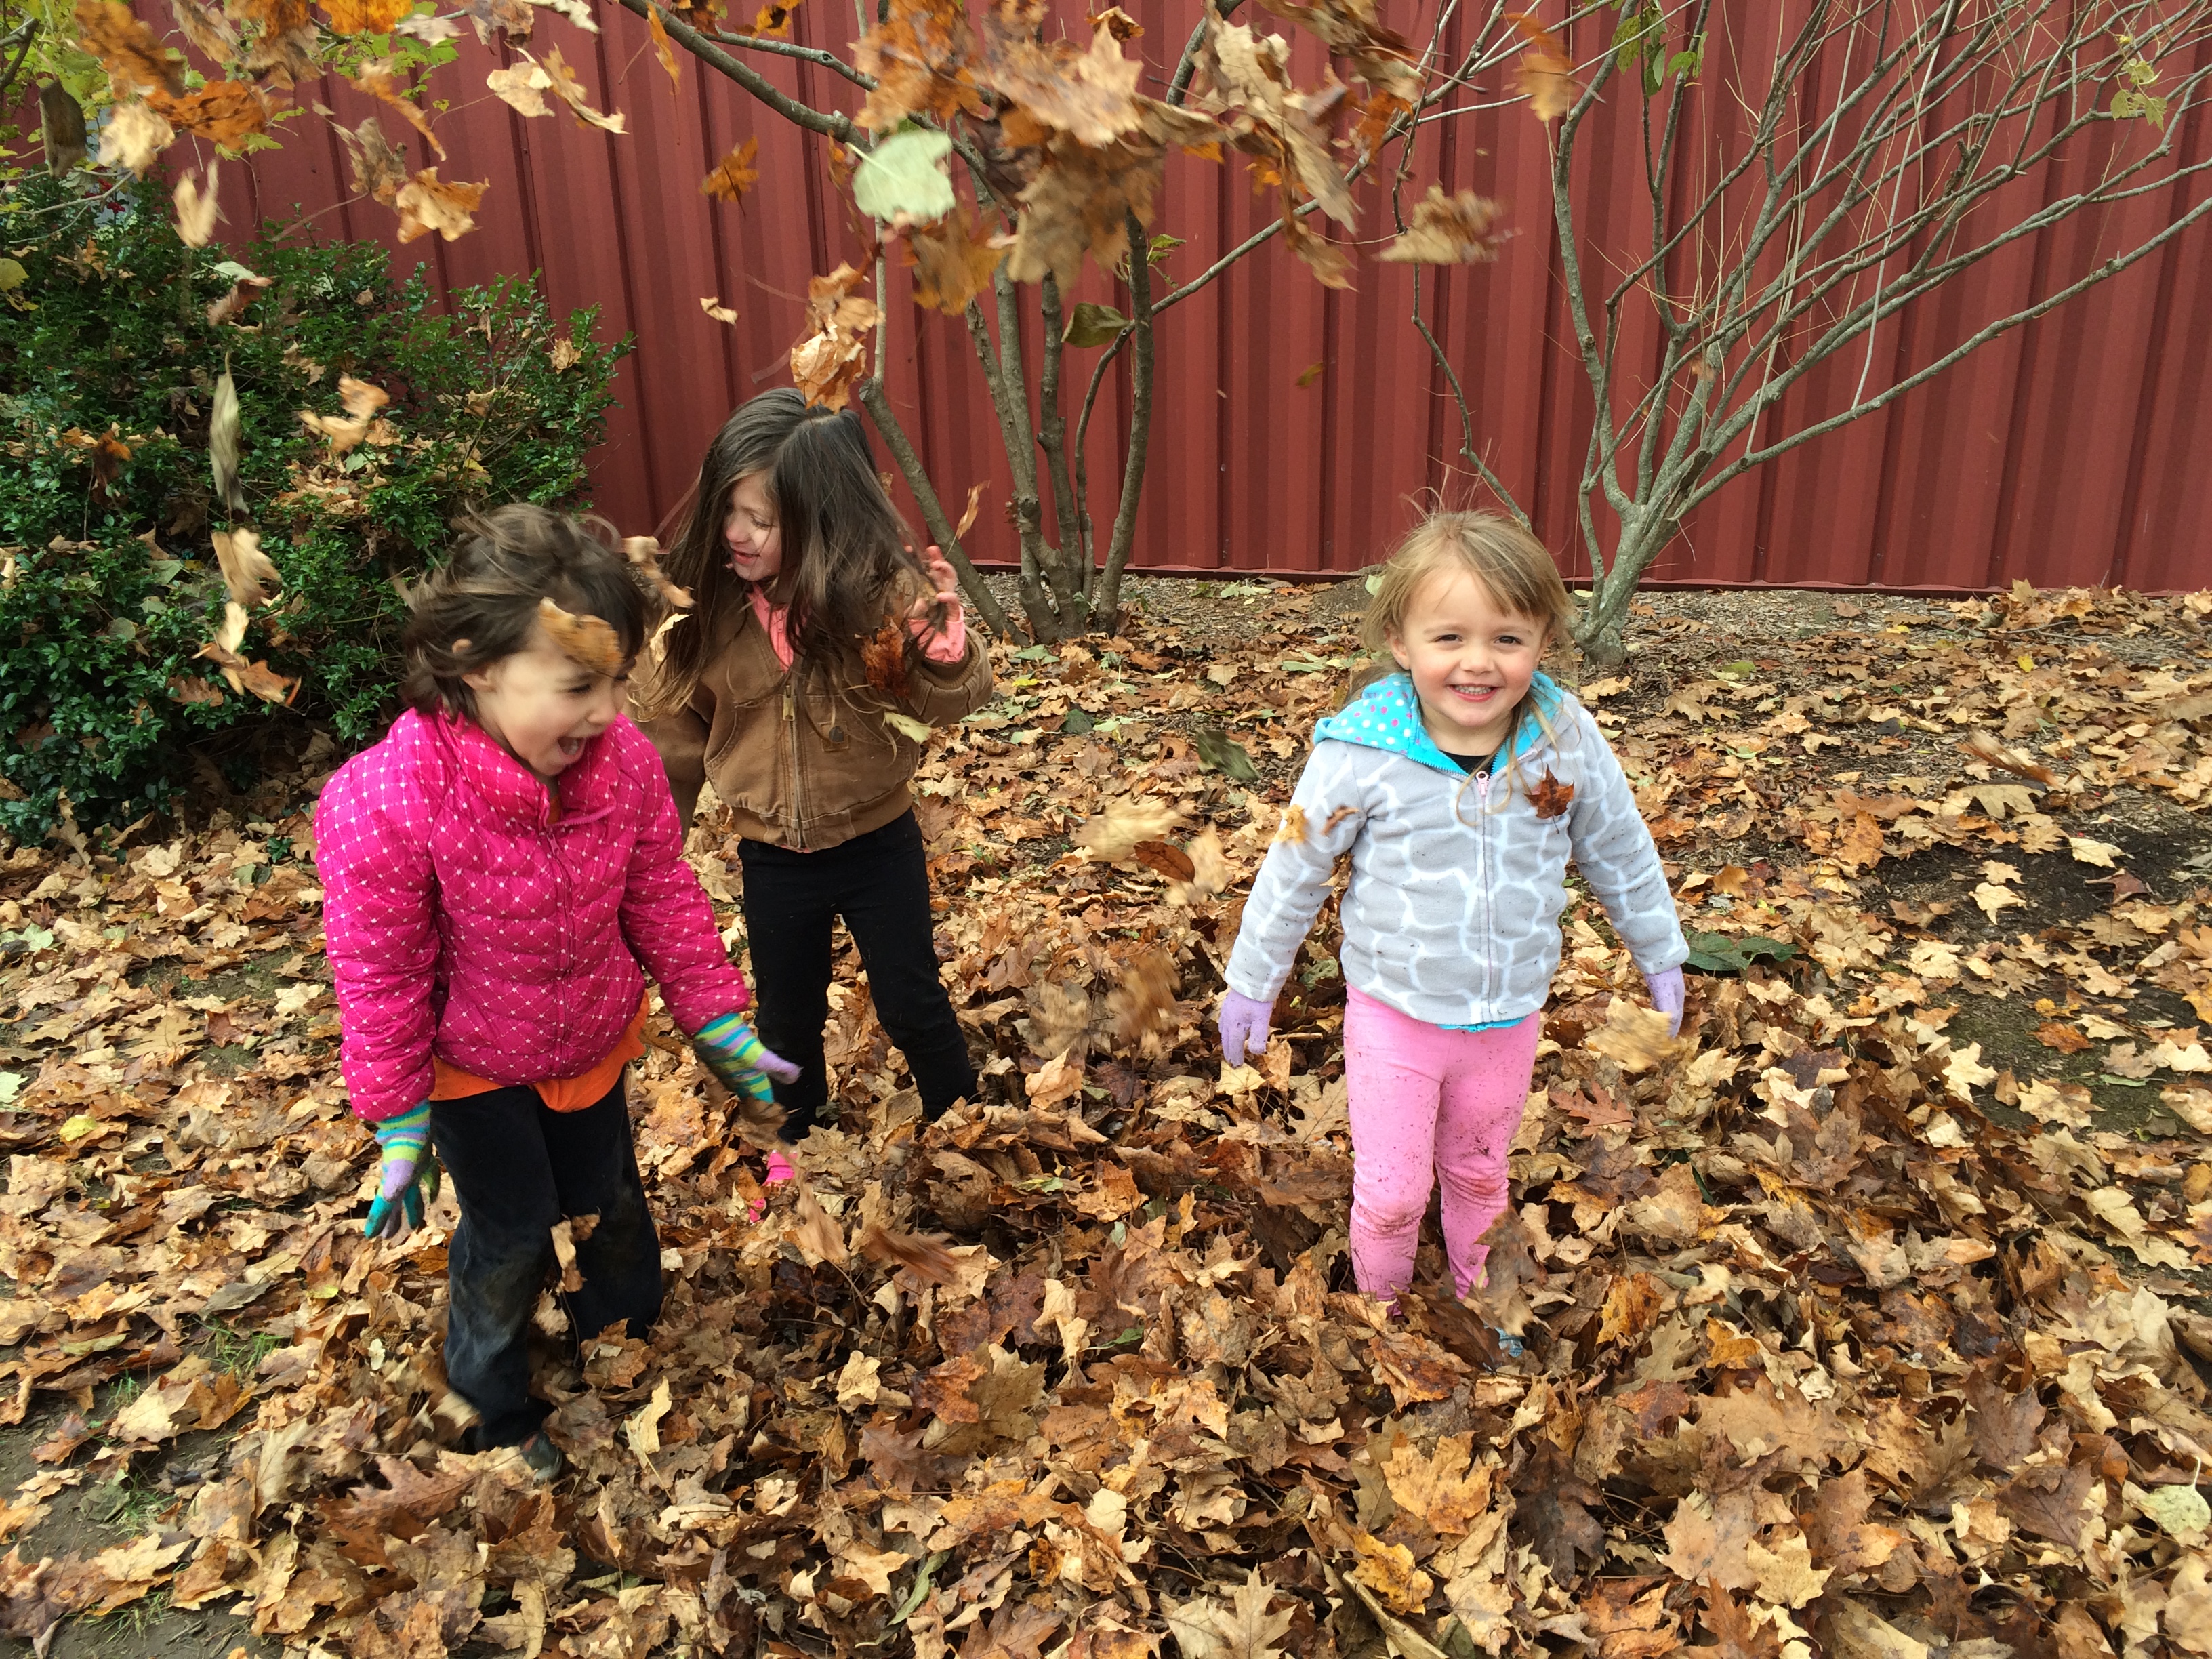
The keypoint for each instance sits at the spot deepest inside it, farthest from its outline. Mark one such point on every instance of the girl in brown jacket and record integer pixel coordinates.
(816, 645)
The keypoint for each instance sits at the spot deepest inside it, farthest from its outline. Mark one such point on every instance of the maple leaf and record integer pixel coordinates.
(1550, 797)
(426, 204)
(953, 261)
(1205, 1627)
(130, 52)
(1012, 1632)
(884, 656)
(379, 171)
(380, 78)
(587, 640)
(920, 55)
(734, 174)
(564, 85)
(1446, 1489)
(365, 16)
(1546, 75)
(817, 1235)
(521, 87)
(1446, 230)
(827, 363)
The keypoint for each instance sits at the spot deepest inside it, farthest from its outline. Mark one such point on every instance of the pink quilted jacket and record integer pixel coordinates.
(461, 919)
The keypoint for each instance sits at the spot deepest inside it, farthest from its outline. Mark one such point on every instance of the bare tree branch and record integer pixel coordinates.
(829, 124)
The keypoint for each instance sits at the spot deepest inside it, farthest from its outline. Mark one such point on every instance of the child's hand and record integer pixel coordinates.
(1244, 1022)
(1667, 993)
(741, 1062)
(931, 610)
(406, 1183)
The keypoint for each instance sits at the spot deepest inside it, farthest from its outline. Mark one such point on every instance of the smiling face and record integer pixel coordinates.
(1471, 662)
(543, 706)
(750, 531)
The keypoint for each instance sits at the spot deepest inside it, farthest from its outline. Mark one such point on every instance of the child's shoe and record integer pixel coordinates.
(541, 1457)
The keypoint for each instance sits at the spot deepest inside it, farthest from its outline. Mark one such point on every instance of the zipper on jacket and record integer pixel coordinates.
(791, 738)
(1485, 878)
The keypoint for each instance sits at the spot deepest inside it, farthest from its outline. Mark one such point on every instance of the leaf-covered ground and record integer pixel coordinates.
(1864, 1323)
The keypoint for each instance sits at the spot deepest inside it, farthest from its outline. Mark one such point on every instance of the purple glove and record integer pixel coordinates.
(1244, 1022)
(1667, 992)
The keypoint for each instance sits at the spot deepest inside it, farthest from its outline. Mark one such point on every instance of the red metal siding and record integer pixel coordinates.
(2063, 453)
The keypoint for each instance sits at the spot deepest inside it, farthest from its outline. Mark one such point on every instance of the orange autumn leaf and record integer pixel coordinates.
(952, 260)
(734, 175)
(365, 16)
(126, 48)
(774, 21)
(225, 113)
(586, 639)
(1550, 797)
(662, 49)
(1546, 75)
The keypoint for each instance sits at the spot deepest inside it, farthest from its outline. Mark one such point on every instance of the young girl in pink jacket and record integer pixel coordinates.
(501, 874)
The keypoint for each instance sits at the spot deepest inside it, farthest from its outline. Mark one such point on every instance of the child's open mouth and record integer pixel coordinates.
(569, 747)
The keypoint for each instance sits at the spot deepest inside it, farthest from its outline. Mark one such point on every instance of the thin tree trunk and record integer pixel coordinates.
(1140, 427)
(1068, 525)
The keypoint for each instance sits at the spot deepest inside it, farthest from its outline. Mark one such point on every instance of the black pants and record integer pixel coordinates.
(879, 882)
(517, 1169)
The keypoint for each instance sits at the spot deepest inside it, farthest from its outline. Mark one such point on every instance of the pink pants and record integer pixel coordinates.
(1427, 1104)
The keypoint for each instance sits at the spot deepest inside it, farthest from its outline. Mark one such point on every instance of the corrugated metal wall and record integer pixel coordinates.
(2067, 451)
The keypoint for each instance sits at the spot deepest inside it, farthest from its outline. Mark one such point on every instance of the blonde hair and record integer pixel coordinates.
(1513, 566)
(1502, 554)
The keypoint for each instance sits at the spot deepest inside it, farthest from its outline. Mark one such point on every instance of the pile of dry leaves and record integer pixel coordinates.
(1843, 1334)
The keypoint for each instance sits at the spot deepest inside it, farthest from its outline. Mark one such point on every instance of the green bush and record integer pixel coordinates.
(109, 585)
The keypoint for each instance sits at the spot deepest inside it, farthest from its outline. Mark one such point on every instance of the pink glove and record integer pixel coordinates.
(1667, 992)
(1243, 1021)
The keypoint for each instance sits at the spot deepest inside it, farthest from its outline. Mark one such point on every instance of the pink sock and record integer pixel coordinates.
(779, 1168)
(1428, 1103)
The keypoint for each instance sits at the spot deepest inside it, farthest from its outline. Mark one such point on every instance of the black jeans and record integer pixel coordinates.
(879, 882)
(517, 1169)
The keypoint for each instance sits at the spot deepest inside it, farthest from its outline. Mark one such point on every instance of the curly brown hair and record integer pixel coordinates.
(481, 604)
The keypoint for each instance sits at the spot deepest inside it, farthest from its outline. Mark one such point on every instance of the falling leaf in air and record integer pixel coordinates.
(828, 362)
(1116, 834)
(713, 305)
(1546, 75)
(521, 87)
(1550, 797)
(734, 174)
(643, 552)
(196, 209)
(131, 53)
(248, 572)
(563, 82)
(1635, 1037)
(380, 172)
(921, 1254)
(662, 49)
(952, 260)
(585, 640)
(224, 112)
(428, 203)
(134, 136)
(774, 20)
(1449, 230)
(1163, 858)
(222, 443)
(967, 514)
(365, 16)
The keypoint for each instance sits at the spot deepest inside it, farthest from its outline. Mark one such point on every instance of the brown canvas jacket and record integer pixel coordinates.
(804, 760)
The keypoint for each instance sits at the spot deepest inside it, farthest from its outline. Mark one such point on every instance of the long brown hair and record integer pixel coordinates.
(481, 604)
(845, 547)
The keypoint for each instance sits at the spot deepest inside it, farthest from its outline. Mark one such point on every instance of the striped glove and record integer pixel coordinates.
(410, 1176)
(733, 1051)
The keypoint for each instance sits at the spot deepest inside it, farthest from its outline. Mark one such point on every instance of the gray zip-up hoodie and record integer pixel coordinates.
(1452, 912)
